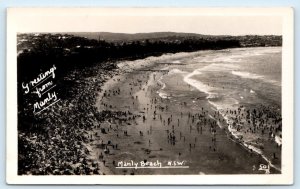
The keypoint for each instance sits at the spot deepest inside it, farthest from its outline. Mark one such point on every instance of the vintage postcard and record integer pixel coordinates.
(150, 96)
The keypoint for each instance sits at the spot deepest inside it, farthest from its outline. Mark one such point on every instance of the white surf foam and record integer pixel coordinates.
(176, 71)
(161, 83)
(219, 67)
(198, 84)
(162, 94)
(225, 103)
(278, 140)
(235, 57)
(176, 62)
(246, 75)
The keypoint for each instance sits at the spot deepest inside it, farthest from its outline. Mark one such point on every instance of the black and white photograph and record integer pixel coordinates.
(137, 93)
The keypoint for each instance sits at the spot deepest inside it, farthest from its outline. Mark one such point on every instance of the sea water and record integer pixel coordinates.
(228, 77)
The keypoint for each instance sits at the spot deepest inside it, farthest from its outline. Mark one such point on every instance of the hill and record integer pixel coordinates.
(114, 37)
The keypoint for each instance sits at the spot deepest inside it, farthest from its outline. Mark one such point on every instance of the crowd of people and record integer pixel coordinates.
(157, 114)
(60, 142)
(262, 120)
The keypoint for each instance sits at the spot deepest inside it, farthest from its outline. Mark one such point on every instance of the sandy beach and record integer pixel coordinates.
(146, 125)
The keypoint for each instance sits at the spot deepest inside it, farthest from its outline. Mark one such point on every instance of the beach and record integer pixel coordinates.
(203, 112)
(204, 109)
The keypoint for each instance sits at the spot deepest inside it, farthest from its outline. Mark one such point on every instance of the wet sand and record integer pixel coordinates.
(145, 127)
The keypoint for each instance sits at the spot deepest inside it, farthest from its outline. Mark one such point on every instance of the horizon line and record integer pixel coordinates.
(128, 33)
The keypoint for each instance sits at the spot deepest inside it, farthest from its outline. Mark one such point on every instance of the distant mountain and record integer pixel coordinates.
(112, 37)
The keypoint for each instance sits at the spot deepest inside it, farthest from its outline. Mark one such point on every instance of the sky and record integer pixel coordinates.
(216, 25)
(202, 21)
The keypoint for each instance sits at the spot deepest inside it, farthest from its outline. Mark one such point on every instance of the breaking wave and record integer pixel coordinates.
(247, 75)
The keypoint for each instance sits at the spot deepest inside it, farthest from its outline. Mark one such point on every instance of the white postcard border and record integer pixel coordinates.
(15, 18)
